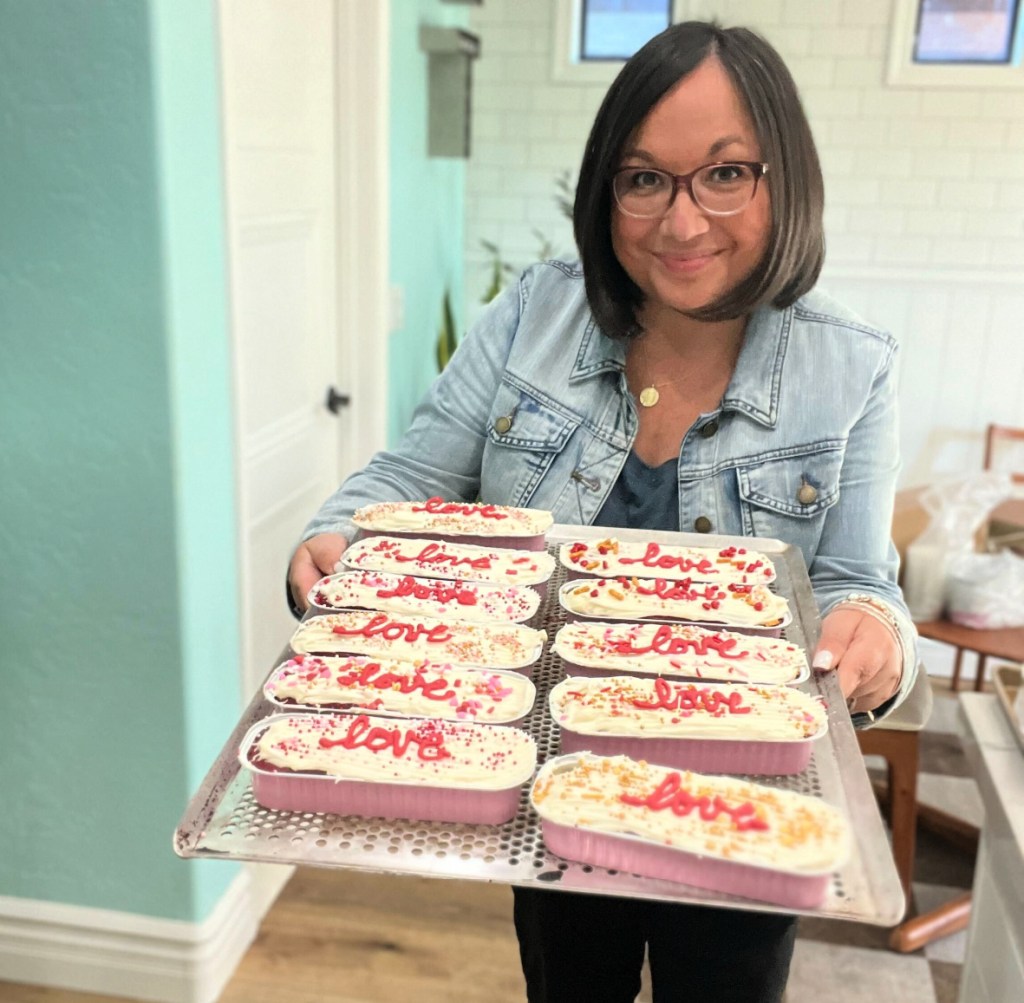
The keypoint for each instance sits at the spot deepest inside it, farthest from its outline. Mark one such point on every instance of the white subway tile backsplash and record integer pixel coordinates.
(946, 103)
(935, 221)
(844, 40)
(960, 252)
(916, 133)
(812, 12)
(866, 12)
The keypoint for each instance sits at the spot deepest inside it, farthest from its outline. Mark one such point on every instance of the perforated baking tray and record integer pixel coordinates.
(223, 821)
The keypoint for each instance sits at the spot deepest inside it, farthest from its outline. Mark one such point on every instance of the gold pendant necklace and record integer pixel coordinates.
(649, 396)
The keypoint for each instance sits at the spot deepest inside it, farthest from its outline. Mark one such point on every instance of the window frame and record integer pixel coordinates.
(567, 68)
(902, 71)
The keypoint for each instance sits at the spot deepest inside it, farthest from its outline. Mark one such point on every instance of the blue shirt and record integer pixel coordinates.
(643, 497)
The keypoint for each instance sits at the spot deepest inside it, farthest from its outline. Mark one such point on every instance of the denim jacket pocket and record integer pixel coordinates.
(524, 437)
(787, 497)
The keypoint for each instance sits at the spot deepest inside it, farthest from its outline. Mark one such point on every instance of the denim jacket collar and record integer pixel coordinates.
(754, 387)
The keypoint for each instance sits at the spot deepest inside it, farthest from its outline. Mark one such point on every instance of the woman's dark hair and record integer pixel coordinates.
(796, 245)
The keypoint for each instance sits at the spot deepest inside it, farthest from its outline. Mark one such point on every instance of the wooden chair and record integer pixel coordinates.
(1008, 440)
(1006, 644)
(896, 739)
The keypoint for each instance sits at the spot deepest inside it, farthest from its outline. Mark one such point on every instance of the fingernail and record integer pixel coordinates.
(822, 660)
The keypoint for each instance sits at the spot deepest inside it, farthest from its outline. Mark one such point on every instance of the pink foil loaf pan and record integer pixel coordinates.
(372, 798)
(623, 851)
(781, 724)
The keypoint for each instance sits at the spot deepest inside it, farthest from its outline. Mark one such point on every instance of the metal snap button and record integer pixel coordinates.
(702, 524)
(708, 430)
(807, 494)
(502, 424)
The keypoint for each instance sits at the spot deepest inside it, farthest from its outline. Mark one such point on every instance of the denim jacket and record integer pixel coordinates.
(533, 410)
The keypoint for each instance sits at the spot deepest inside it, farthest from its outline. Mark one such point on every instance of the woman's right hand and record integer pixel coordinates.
(313, 559)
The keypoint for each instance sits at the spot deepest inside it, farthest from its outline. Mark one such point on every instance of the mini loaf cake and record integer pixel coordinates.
(402, 688)
(677, 650)
(433, 559)
(741, 607)
(721, 728)
(359, 765)
(431, 596)
(721, 833)
(611, 558)
(435, 518)
(383, 635)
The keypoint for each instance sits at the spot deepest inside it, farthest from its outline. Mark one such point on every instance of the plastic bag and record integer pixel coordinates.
(956, 511)
(986, 591)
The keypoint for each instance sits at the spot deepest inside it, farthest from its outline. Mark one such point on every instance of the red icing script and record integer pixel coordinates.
(433, 553)
(393, 630)
(408, 586)
(663, 643)
(654, 558)
(438, 506)
(367, 675)
(363, 735)
(670, 794)
(689, 698)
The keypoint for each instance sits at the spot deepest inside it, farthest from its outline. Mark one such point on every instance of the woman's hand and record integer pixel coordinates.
(864, 652)
(313, 559)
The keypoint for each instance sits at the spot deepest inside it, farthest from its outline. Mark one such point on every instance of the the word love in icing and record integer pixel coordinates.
(434, 553)
(670, 795)
(376, 738)
(382, 625)
(409, 586)
(370, 675)
(690, 698)
(665, 642)
(438, 506)
(654, 558)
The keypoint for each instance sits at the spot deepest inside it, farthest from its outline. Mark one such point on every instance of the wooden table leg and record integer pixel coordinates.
(979, 679)
(956, 669)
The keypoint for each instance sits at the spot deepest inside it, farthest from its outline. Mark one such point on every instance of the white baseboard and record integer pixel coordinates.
(124, 954)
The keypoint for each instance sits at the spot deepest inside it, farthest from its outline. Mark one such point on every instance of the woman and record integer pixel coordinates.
(684, 376)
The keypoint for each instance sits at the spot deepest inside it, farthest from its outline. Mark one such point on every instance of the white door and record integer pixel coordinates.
(304, 126)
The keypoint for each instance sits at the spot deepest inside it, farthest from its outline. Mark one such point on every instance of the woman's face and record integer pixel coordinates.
(689, 258)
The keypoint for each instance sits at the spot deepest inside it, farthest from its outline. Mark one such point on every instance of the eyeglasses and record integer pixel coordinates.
(720, 189)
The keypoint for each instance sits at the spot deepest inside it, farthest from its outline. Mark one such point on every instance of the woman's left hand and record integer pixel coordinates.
(864, 653)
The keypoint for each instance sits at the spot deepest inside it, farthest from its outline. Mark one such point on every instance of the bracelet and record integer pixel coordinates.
(882, 612)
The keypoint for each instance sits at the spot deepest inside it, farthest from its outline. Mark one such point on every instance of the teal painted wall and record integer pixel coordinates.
(119, 634)
(427, 212)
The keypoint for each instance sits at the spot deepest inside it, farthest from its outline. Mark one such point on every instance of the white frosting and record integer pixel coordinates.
(674, 649)
(630, 706)
(750, 824)
(731, 605)
(611, 558)
(439, 559)
(429, 752)
(431, 596)
(383, 635)
(395, 687)
(452, 518)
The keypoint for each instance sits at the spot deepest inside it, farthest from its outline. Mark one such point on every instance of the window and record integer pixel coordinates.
(593, 38)
(615, 29)
(957, 43)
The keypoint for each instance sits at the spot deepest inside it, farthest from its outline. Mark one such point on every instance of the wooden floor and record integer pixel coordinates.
(347, 937)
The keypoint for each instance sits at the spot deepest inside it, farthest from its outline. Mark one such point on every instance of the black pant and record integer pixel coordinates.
(590, 949)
